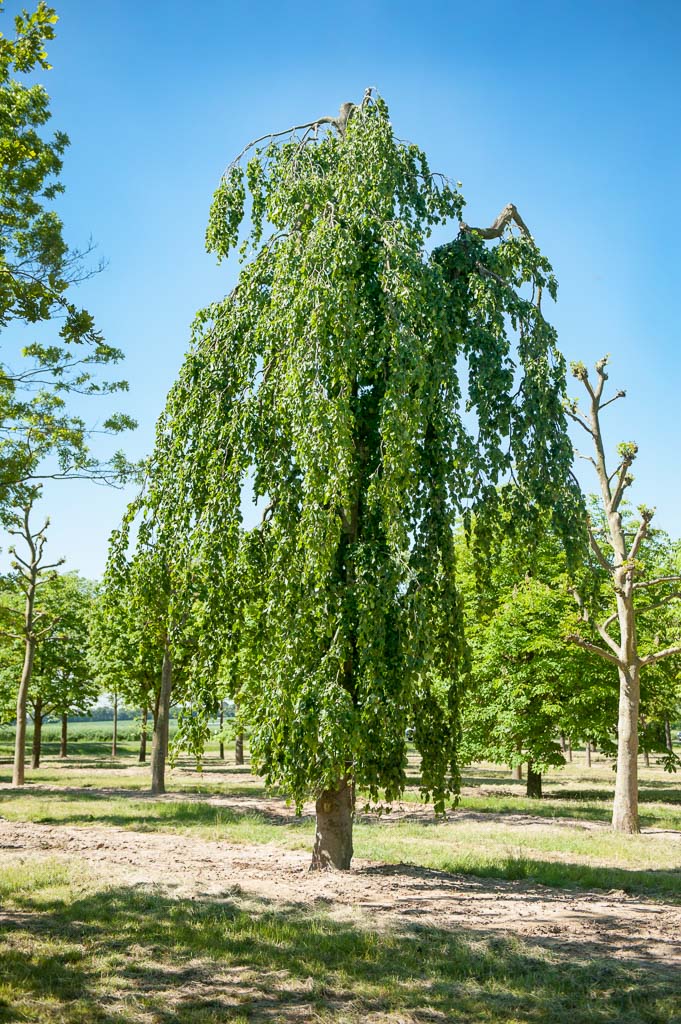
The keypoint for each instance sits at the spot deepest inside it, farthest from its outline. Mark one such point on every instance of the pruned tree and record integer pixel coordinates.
(330, 377)
(617, 552)
(30, 572)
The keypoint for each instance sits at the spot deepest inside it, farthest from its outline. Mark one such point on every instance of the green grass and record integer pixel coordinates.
(551, 854)
(74, 952)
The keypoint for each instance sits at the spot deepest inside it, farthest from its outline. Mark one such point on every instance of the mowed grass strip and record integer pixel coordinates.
(75, 951)
(554, 854)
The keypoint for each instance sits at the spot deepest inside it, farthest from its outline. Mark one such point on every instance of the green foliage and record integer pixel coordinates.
(331, 378)
(37, 269)
(61, 677)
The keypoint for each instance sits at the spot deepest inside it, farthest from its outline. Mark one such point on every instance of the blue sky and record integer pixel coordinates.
(569, 110)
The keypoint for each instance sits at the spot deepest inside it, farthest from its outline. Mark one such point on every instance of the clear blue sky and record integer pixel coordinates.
(570, 110)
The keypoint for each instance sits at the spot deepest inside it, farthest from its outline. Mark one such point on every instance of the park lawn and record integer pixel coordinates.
(74, 950)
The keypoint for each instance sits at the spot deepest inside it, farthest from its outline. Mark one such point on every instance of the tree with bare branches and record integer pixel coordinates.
(31, 572)
(618, 553)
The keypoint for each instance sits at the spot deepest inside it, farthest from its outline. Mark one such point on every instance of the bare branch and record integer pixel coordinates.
(575, 638)
(650, 659)
(654, 583)
(508, 215)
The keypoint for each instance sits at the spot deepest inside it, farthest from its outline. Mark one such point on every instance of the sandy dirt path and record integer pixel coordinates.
(585, 924)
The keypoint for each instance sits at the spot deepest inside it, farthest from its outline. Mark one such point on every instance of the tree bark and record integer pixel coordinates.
(533, 782)
(114, 741)
(239, 749)
(37, 732)
(646, 758)
(625, 807)
(19, 771)
(159, 745)
(63, 746)
(668, 736)
(518, 773)
(569, 748)
(333, 838)
(222, 723)
(143, 735)
(588, 753)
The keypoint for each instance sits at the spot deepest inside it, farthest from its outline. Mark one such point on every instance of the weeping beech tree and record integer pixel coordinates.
(332, 381)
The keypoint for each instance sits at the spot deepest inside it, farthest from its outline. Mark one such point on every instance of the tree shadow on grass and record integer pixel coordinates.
(126, 954)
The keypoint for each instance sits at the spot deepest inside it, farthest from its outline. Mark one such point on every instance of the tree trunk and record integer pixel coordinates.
(18, 773)
(143, 735)
(37, 732)
(646, 758)
(533, 782)
(569, 748)
(518, 773)
(563, 746)
(222, 723)
(114, 741)
(159, 745)
(625, 807)
(239, 749)
(668, 736)
(588, 753)
(63, 746)
(333, 838)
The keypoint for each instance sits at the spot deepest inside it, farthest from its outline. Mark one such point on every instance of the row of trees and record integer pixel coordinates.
(377, 398)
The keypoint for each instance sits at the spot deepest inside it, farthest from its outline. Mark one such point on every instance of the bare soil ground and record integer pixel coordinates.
(589, 923)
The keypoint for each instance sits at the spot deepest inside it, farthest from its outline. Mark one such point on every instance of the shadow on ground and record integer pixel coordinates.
(124, 955)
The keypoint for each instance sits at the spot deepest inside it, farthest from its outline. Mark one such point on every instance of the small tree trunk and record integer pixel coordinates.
(64, 745)
(114, 741)
(143, 735)
(533, 782)
(518, 773)
(159, 745)
(646, 758)
(37, 732)
(588, 753)
(625, 807)
(222, 723)
(19, 771)
(239, 749)
(668, 736)
(562, 742)
(333, 838)
(569, 748)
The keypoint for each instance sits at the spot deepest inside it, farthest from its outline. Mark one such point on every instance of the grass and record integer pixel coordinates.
(74, 951)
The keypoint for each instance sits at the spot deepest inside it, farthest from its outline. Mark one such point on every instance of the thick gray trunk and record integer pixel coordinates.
(143, 735)
(533, 782)
(37, 732)
(333, 838)
(159, 746)
(64, 745)
(19, 771)
(625, 807)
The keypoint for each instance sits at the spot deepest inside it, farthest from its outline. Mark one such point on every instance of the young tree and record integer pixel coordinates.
(618, 553)
(331, 377)
(31, 572)
(61, 681)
